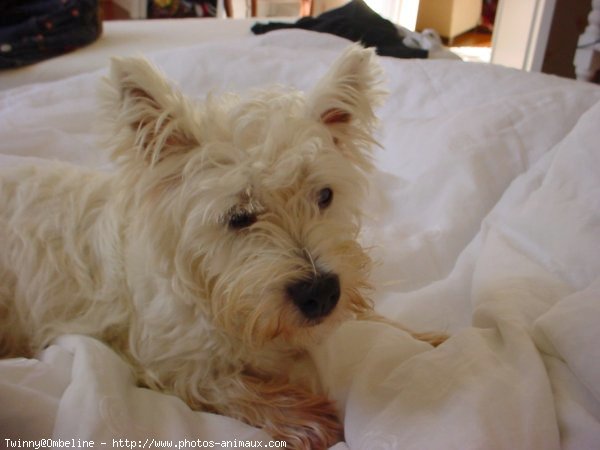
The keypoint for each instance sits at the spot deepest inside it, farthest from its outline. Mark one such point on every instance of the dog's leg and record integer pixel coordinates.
(433, 338)
(285, 411)
(13, 339)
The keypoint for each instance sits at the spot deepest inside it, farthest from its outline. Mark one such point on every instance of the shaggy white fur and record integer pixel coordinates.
(222, 248)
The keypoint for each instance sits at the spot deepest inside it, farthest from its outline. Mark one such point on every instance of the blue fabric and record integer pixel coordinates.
(34, 30)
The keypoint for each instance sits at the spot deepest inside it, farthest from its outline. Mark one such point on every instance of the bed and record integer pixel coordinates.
(484, 221)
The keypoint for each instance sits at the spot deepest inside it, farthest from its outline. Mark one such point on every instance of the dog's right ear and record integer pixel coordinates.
(151, 119)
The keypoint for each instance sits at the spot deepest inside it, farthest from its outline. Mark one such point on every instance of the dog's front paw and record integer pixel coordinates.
(309, 423)
(288, 412)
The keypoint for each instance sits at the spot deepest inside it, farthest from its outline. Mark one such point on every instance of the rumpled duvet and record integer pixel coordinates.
(483, 220)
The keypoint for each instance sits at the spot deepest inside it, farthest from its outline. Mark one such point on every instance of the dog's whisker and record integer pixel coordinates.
(312, 261)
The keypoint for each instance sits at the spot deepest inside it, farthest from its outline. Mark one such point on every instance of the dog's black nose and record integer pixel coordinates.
(316, 297)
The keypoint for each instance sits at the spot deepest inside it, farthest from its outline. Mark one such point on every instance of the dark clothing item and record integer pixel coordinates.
(34, 30)
(160, 9)
(357, 22)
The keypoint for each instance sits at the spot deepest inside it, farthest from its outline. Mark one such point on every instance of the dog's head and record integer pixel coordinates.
(248, 209)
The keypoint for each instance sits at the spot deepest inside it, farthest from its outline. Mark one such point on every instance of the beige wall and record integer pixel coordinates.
(323, 5)
(286, 8)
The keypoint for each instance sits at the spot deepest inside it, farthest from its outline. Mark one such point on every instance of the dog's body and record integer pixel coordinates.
(220, 250)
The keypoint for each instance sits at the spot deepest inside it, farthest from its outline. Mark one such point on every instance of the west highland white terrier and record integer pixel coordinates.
(221, 249)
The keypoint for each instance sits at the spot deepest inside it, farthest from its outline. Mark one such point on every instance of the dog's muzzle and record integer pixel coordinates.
(316, 297)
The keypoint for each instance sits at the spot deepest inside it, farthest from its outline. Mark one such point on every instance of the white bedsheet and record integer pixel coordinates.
(485, 221)
(129, 38)
(134, 37)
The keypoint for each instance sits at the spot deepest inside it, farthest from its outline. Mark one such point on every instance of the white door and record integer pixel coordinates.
(521, 33)
(401, 12)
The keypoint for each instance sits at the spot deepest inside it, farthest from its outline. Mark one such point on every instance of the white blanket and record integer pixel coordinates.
(484, 220)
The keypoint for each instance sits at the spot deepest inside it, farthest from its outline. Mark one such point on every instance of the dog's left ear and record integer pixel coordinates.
(345, 98)
(150, 116)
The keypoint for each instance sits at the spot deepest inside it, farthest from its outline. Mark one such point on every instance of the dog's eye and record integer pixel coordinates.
(241, 220)
(325, 198)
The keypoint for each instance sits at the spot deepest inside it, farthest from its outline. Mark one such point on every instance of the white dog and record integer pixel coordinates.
(220, 250)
